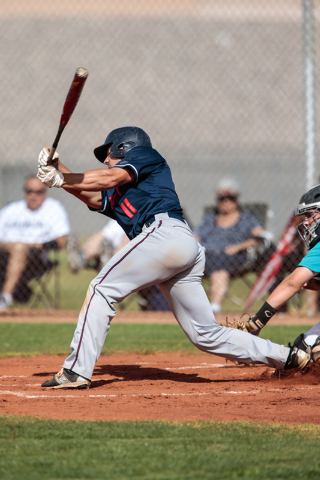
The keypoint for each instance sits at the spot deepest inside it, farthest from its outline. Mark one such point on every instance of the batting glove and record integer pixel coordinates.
(43, 157)
(50, 176)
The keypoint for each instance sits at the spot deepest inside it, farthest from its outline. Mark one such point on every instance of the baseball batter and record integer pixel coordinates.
(137, 190)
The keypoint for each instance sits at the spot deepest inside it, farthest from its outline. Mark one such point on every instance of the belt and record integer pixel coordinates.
(162, 216)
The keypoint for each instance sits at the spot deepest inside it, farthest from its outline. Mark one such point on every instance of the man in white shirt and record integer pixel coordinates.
(29, 227)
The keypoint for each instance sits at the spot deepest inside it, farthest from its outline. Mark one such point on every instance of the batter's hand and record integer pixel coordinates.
(50, 176)
(43, 157)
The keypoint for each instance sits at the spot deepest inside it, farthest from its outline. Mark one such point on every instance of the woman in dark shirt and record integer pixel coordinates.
(226, 233)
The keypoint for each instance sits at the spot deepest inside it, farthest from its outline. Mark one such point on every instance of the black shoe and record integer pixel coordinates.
(66, 379)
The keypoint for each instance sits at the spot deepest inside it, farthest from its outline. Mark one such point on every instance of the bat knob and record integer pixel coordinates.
(82, 72)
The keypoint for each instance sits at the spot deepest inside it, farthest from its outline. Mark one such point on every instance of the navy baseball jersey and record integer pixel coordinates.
(152, 192)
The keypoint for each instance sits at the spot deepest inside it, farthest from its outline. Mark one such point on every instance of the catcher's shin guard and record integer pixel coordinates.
(299, 356)
(297, 359)
(302, 345)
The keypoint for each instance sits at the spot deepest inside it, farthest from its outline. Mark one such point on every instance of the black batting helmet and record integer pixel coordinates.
(309, 204)
(121, 140)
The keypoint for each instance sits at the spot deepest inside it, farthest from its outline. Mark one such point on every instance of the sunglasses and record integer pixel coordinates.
(232, 198)
(28, 191)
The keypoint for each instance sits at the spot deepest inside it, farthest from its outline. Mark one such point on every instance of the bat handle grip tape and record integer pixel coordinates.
(54, 145)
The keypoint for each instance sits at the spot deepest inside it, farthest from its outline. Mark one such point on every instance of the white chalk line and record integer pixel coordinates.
(151, 395)
(204, 365)
(146, 395)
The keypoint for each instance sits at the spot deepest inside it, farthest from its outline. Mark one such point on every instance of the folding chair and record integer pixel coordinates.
(41, 267)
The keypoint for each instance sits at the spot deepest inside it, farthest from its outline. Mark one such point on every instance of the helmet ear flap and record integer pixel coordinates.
(120, 150)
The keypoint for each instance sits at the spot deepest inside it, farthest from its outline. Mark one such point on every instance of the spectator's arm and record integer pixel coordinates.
(61, 241)
(58, 243)
(233, 249)
(250, 242)
(257, 232)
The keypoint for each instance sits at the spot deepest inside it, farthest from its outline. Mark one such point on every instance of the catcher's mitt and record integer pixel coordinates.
(249, 326)
(236, 324)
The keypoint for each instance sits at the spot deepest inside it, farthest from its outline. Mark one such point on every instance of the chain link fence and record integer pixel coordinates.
(224, 88)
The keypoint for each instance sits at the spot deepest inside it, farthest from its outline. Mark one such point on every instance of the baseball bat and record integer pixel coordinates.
(69, 105)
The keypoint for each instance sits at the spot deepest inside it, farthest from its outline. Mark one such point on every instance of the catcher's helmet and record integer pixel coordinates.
(121, 141)
(309, 204)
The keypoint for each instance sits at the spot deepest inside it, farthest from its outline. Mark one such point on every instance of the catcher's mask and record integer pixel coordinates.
(121, 140)
(309, 206)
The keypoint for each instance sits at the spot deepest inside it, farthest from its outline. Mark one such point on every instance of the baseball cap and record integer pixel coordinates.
(228, 188)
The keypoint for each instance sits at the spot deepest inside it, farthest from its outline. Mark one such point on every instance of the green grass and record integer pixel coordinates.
(27, 339)
(48, 449)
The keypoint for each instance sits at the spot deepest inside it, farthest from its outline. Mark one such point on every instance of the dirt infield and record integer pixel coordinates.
(172, 386)
(162, 386)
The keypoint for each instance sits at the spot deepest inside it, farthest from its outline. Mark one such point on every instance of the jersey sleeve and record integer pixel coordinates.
(312, 259)
(142, 161)
(105, 204)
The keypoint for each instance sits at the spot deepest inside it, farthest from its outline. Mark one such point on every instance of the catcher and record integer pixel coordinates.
(305, 276)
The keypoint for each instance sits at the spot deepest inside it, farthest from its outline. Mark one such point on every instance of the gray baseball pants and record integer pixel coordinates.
(166, 253)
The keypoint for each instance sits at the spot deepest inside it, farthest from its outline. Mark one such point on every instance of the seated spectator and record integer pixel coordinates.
(152, 299)
(226, 233)
(29, 228)
(98, 249)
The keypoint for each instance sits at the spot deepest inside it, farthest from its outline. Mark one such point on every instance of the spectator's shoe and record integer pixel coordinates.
(216, 307)
(76, 261)
(66, 379)
(297, 360)
(5, 303)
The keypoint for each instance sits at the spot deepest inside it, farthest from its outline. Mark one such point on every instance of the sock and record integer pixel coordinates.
(311, 335)
(216, 307)
(7, 297)
(310, 339)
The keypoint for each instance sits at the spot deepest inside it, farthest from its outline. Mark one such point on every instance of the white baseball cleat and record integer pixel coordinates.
(66, 379)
